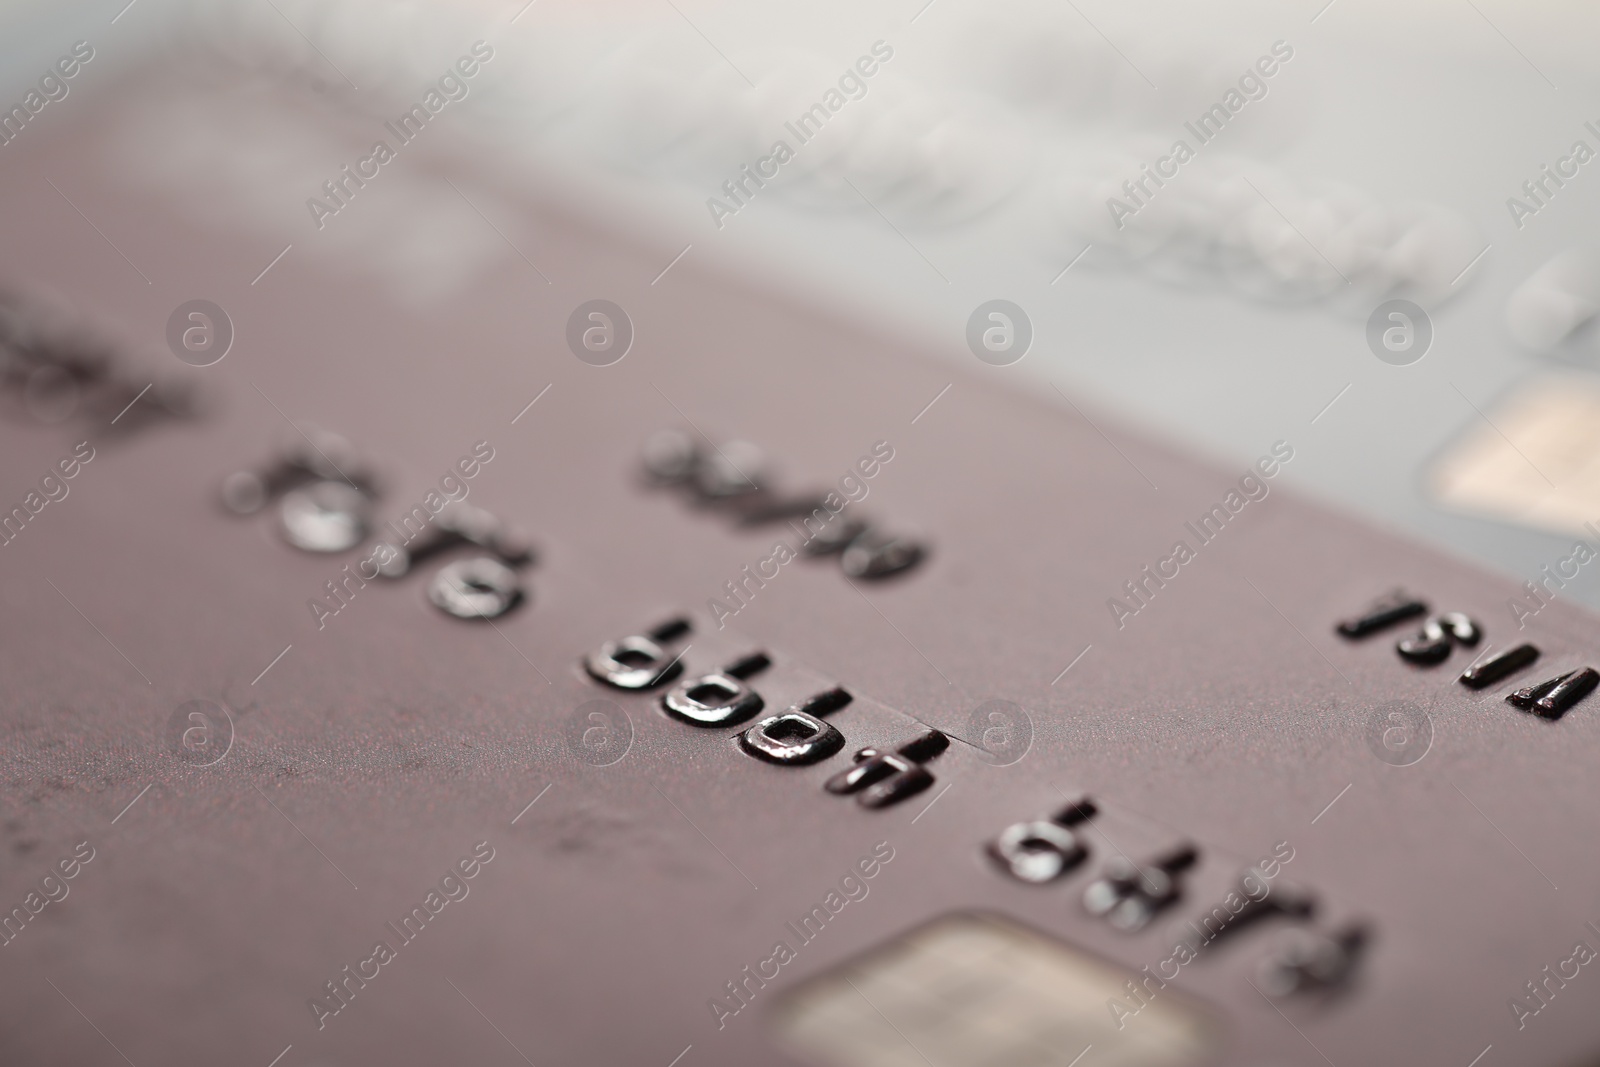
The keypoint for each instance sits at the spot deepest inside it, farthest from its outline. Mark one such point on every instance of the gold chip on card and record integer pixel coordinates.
(1532, 459)
(979, 990)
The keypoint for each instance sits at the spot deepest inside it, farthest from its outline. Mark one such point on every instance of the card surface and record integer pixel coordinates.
(612, 669)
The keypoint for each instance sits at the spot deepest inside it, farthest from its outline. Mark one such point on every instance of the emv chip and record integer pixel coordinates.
(978, 990)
